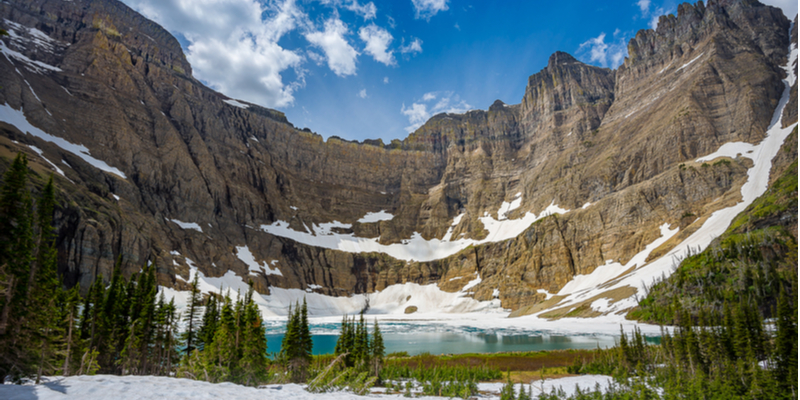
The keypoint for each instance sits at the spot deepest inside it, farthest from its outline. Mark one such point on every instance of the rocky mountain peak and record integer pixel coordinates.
(560, 58)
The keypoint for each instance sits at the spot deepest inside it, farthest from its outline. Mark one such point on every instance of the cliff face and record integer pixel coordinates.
(199, 178)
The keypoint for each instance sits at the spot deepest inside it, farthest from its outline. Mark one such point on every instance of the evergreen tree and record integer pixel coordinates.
(205, 334)
(785, 353)
(16, 253)
(306, 343)
(377, 349)
(254, 343)
(192, 316)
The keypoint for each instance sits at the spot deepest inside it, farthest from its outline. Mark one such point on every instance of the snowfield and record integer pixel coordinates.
(159, 387)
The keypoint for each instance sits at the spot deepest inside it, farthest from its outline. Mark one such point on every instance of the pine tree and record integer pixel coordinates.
(785, 344)
(192, 315)
(306, 342)
(221, 353)
(254, 343)
(377, 349)
(72, 338)
(16, 253)
(205, 334)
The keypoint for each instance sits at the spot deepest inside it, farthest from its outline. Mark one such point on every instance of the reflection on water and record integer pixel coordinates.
(416, 339)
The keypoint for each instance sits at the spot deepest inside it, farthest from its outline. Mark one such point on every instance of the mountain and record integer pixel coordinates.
(552, 204)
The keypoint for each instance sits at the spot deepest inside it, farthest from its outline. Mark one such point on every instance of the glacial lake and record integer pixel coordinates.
(441, 339)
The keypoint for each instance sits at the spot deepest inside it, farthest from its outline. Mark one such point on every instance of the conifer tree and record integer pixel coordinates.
(254, 343)
(16, 252)
(205, 334)
(377, 349)
(192, 316)
(785, 342)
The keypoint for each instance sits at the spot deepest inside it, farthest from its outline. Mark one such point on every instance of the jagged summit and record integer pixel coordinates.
(560, 58)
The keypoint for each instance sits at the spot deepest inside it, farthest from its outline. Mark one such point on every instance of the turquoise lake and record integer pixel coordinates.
(439, 339)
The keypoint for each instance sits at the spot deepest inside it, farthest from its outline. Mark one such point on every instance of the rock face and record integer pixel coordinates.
(623, 141)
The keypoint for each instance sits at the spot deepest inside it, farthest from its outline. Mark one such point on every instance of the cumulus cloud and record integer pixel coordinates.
(377, 42)
(368, 11)
(425, 9)
(414, 47)
(385, 79)
(597, 51)
(421, 110)
(644, 5)
(362, 93)
(245, 62)
(340, 55)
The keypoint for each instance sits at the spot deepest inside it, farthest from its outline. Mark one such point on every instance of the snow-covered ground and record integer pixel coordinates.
(152, 387)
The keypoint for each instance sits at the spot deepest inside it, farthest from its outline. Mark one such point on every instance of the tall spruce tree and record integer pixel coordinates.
(377, 349)
(192, 316)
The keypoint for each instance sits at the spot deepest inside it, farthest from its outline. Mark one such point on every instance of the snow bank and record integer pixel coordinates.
(416, 248)
(159, 387)
(17, 118)
(568, 384)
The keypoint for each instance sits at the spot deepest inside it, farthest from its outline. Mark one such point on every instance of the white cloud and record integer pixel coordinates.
(368, 11)
(644, 5)
(385, 79)
(414, 47)
(377, 42)
(340, 55)
(420, 111)
(789, 7)
(597, 51)
(317, 58)
(362, 93)
(231, 47)
(428, 8)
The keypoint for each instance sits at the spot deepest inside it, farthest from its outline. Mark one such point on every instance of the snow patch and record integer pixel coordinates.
(41, 154)
(244, 254)
(415, 248)
(32, 65)
(187, 225)
(381, 215)
(690, 62)
(17, 118)
(547, 295)
(236, 103)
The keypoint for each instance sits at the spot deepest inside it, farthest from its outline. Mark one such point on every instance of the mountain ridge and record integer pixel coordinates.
(230, 170)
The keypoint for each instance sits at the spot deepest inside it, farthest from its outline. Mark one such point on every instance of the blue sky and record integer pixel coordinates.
(378, 69)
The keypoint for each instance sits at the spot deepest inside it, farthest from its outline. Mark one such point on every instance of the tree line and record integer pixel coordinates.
(125, 325)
